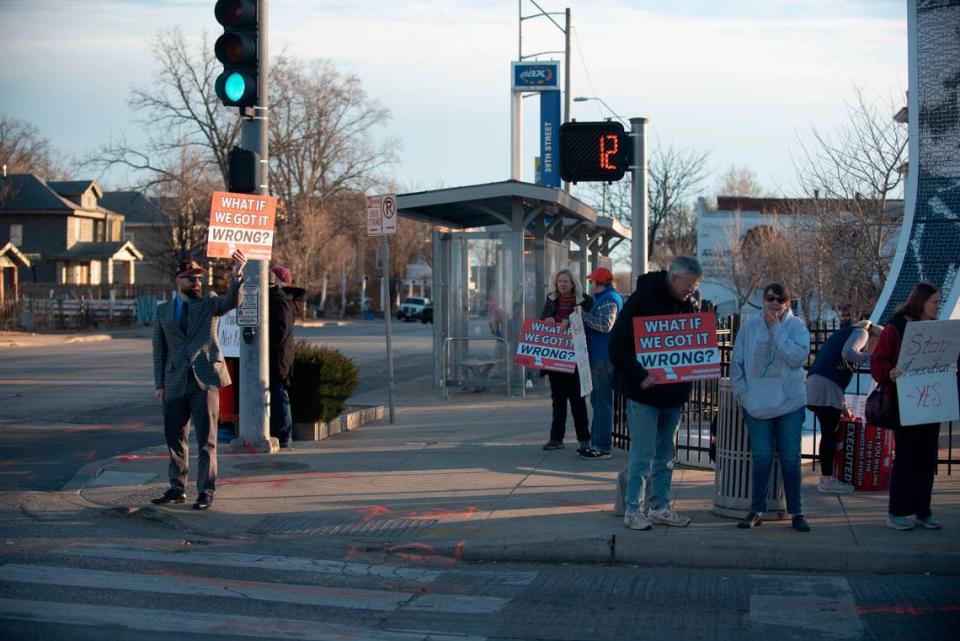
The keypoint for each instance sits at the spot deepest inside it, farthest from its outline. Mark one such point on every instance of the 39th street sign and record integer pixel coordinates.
(381, 215)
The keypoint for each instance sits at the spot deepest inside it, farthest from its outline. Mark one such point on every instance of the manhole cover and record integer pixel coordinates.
(272, 466)
(318, 526)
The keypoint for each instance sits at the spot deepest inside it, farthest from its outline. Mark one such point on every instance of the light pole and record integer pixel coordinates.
(602, 102)
(639, 207)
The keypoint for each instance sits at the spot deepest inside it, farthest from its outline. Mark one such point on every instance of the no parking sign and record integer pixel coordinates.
(381, 215)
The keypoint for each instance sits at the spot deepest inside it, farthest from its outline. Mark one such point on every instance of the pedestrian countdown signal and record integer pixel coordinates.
(593, 151)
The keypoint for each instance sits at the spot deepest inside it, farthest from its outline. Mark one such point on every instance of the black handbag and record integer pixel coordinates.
(883, 407)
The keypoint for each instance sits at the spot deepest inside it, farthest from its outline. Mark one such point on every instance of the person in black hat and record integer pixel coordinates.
(281, 313)
(189, 370)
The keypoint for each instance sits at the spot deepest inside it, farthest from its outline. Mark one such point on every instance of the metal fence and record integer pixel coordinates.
(697, 425)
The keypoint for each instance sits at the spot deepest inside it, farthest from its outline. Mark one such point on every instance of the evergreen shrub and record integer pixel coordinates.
(323, 380)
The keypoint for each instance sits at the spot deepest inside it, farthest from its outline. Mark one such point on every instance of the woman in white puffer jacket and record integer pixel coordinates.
(766, 373)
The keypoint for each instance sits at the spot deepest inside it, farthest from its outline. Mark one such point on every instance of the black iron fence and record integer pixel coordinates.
(698, 421)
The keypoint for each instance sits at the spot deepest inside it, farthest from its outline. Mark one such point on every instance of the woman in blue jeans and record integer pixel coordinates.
(766, 373)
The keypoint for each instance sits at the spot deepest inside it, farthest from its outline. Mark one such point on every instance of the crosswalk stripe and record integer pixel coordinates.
(180, 583)
(257, 561)
(303, 564)
(204, 623)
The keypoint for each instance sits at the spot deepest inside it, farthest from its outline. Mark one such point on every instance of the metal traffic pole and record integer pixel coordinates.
(254, 354)
(639, 212)
(387, 319)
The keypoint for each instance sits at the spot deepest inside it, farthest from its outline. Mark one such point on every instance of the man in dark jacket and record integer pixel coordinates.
(281, 355)
(653, 407)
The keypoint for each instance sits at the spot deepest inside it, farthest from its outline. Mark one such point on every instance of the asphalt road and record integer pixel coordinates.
(66, 405)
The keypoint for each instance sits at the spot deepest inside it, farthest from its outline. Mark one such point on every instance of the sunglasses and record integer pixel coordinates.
(770, 298)
(192, 279)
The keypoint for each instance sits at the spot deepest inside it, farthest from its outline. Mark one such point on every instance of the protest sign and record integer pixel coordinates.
(678, 348)
(241, 221)
(580, 351)
(229, 335)
(546, 347)
(927, 388)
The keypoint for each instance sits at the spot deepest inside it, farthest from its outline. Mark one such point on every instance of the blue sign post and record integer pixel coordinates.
(549, 133)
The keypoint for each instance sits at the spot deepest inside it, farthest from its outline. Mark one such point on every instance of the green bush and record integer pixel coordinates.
(323, 380)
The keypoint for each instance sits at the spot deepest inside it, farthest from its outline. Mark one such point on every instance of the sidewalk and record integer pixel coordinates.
(466, 478)
(12, 339)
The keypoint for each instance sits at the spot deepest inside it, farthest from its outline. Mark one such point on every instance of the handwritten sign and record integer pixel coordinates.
(229, 334)
(580, 351)
(546, 347)
(927, 389)
(678, 348)
(241, 221)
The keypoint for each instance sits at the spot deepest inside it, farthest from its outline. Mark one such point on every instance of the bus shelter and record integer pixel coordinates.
(496, 247)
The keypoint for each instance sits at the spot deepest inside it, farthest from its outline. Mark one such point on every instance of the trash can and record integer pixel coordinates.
(732, 483)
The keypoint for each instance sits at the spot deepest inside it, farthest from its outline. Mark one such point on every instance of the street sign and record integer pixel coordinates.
(248, 312)
(381, 215)
(241, 221)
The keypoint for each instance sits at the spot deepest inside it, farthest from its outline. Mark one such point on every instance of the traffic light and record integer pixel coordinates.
(593, 151)
(244, 175)
(237, 50)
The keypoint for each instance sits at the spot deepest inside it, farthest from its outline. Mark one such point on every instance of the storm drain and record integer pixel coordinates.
(317, 526)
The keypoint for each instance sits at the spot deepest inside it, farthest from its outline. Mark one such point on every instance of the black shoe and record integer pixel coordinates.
(591, 454)
(170, 496)
(204, 501)
(752, 520)
(583, 446)
(800, 523)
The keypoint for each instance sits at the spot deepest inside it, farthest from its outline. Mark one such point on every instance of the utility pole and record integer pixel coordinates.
(254, 355)
(639, 209)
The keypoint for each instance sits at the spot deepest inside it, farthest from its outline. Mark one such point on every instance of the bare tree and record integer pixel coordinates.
(24, 150)
(675, 175)
(182, 110)
(861, 164)
(739, 181)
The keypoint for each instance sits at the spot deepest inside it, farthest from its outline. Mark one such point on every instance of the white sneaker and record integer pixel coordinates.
(833, 486)
(666, 516)
(637, 521)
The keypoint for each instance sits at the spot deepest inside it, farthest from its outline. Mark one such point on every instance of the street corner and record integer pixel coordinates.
(11, 339)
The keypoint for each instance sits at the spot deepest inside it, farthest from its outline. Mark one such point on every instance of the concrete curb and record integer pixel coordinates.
(347, 421)
(723, 556)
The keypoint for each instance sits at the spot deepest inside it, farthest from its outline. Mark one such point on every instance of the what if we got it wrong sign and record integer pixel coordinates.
(241, 221)
(678, 348)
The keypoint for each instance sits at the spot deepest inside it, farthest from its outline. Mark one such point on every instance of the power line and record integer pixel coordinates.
(463, 36)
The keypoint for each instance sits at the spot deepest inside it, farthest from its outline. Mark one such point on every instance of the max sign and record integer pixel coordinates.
(678, 348)
(927, 389)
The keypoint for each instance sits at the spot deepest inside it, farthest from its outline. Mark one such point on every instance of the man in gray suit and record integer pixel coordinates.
(189, 370)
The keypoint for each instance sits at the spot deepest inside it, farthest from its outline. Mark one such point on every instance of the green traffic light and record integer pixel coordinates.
(235, 86)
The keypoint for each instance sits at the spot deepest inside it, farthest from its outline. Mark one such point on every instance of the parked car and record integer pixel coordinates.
(412, 308)
(426, 316)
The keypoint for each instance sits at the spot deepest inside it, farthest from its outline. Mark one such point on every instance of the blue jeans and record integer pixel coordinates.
(782, 433)
(281, 420)
(652, 449)
(601, 399)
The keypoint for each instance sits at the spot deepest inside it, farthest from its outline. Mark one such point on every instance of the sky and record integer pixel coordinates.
(741, 79)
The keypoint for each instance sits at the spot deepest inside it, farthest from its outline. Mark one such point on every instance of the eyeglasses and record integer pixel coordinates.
(770, 298)
(192, 279)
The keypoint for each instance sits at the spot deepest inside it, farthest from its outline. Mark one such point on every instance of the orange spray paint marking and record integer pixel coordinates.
(374, 511)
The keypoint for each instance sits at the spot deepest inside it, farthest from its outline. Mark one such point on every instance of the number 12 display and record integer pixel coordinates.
(593, 151)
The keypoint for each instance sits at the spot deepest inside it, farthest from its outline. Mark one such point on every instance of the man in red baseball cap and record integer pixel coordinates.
(598, 322)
